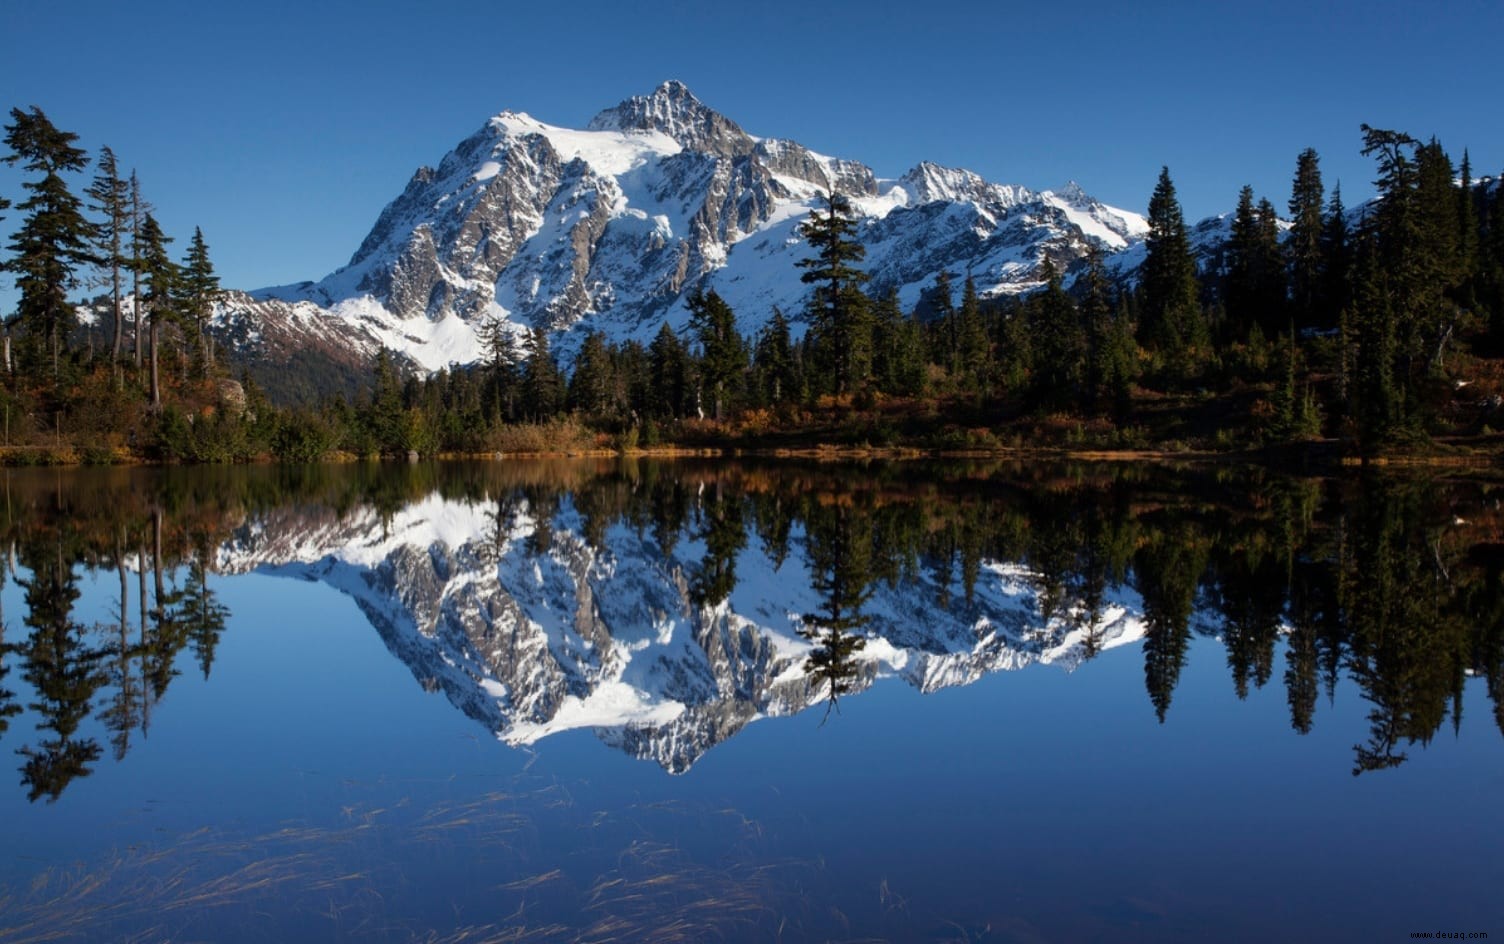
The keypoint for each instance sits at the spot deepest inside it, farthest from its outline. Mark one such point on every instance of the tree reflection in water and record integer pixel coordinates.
(1395, 583)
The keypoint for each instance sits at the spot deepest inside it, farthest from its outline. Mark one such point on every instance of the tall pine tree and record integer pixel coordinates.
(54, 238)
(1170, 313)
(1303, 247)
(839, 313)
(109, 197)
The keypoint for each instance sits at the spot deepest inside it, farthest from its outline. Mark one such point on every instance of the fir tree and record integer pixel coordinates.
(723, 353)
(54, 238)
(1170, 318)
(110, 198)
(199, 290)
(1303, 248)
(1097, 325)
(775, 360)
(974, 353)
(1059, 345)
(1336, 262)
(499, 397)
(839, 312)
(669, 372)
(161, 275)
(542, 386)
(590, 386)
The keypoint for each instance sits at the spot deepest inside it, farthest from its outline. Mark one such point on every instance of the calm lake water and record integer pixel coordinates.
(642, 701)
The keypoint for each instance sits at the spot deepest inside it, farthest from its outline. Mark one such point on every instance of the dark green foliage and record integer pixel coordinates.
(590, 388)
(668, 368)
(774, 360)
(198, 290)
(109, 196)
(1058, 344)
(1170, 318)
(723, 353)
(839, 548)
(542, 383)
(54, 238)
(1303, 248)
(840, 315)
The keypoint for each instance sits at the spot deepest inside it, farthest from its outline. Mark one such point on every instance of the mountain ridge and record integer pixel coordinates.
(611, 227)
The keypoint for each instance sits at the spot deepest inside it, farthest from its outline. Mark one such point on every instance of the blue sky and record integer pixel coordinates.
(282, 128)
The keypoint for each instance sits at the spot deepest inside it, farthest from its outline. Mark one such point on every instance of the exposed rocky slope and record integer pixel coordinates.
(611, 227)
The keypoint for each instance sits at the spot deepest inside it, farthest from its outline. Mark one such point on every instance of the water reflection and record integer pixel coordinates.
(667, 605)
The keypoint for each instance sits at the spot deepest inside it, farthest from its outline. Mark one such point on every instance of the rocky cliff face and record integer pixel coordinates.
(531, 628)
(611, 227)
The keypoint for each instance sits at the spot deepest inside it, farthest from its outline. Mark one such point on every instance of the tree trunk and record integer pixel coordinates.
(156, 388)
(119, 316)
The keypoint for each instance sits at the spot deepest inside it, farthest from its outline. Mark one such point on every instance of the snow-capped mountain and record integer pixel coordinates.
(532, 638)
(611, 227)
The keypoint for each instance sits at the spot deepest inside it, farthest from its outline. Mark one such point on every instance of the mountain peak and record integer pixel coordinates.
(674, 110)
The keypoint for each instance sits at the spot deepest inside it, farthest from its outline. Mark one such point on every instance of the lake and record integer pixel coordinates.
(638, 700)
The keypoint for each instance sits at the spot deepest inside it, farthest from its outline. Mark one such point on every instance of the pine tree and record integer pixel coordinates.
(499, 396)
(542, 386)
(1303, 248)
(669, 372)
(54, 237)
(161, 275)
(590, 386)
(945, 348)
(1170, 319)
(110, 198)
(1240, 283)
(1271, 287)
(974, 352)
(199, 288)
(723, 353)
(1097, 325)
(1336, 263)
(385, 416)
(139, 209)
(840, 318)
(775, 360)
(1058, 341)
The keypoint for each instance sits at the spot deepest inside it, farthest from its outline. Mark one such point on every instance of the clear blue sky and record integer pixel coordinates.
(282, 128)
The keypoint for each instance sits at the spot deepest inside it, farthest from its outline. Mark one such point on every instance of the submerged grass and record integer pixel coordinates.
(396, 871)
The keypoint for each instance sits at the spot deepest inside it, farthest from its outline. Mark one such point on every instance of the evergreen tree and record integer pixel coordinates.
(385, 416)
(974, 352)
(1303, 248)
(723, 353)
(669, 372)
(542, 385)
(1099, 368)
(162, 277)
(199, 290)
(1059, 344)
(110, 198)
(1271, 285)
(590, 386)
(1254, 291)
(1336, 263)
(1240, 283)
(775, 361)
(139, 210)
(54, 237)
(499, 396)
(1170, 319)
(945, 347)
(840, 318)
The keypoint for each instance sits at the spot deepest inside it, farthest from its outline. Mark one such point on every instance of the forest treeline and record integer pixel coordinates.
(1376, 330)
(1393, 584)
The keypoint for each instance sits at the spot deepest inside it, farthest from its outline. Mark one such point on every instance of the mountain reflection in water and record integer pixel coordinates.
(666, 605)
